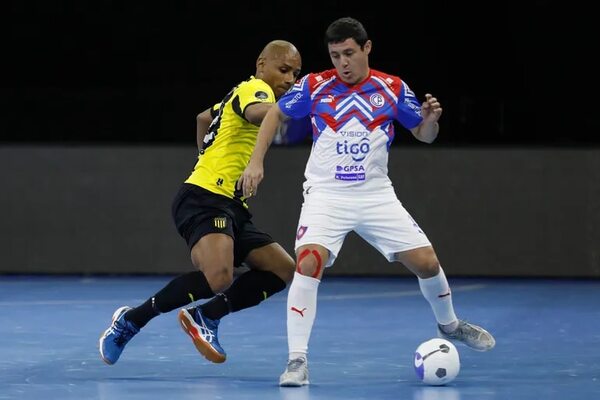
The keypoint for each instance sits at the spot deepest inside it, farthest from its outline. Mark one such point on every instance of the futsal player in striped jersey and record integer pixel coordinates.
(352, 108)
(214, 219)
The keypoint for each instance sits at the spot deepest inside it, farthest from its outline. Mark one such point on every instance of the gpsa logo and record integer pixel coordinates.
(350, 168)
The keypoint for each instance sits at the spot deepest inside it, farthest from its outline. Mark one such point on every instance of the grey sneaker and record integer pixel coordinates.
(473, 336)
(296, 373)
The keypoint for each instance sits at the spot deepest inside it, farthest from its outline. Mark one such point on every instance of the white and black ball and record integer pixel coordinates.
(436, 362)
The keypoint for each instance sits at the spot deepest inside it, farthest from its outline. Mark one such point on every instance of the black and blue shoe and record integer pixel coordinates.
(119, 333)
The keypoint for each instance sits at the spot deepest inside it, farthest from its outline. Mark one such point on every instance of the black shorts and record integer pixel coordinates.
(198, 212)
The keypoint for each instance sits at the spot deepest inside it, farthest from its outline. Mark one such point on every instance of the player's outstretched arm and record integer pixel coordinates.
(254, 172)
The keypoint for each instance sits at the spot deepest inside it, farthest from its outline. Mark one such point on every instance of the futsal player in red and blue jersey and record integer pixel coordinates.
(352, 109)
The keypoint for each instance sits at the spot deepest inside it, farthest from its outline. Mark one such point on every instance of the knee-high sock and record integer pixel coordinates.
(248, 290)
(181, 291)
(301, 312)
(437, 292)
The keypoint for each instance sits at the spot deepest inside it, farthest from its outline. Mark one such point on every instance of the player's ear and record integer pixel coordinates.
(367, 47)
(260, 62)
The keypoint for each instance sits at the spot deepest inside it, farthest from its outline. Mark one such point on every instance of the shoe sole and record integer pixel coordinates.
(116, 315)
(293, 383)
(193, 330)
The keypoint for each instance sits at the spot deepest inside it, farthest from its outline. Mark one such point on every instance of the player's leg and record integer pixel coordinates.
(302, 311)
(211, 248)
(271, 268)
(322, 227)
(206, 222)
(388, 226)
(424, 264)
(212, 256)
(434, 286)
(247, 290)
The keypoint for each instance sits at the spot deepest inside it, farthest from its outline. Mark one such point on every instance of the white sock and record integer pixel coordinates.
(437, 292)
(301, 312)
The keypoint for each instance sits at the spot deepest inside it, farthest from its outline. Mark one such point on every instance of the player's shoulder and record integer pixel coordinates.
(317, 79)
(254, 83)
(393, 82)
(255, 87)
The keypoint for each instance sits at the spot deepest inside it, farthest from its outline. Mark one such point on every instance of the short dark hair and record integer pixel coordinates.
(346, 28)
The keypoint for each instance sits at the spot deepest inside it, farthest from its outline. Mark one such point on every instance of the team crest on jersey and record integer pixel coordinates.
(377, 100)
(220, 222)
(261, 95)
(301, 231)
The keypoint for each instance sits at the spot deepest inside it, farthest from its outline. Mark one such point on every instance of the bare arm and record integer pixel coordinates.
(431, 111)
(203, 121)
(255, 113)
(254, 172)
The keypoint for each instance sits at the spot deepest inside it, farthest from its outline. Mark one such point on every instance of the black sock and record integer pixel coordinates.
(181, 291)
(248, 290)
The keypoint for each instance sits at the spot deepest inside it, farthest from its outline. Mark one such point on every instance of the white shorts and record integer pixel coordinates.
(380, 219)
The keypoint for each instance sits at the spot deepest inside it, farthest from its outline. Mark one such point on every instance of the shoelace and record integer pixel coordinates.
(468, 330)
(295, 364)
(124, 333)
(207, 333)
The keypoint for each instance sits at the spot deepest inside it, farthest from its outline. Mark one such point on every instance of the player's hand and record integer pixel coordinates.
(431, 109)
(251, 177)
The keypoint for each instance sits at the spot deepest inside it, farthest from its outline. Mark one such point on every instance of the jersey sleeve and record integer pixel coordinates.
(296, 102)
(409, 108)
(252, 92)
(214, 111)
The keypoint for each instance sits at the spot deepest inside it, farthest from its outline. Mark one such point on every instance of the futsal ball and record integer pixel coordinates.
(437, 362)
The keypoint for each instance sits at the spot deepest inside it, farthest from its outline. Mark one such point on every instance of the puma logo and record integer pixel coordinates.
(301, 312)
(444, 295)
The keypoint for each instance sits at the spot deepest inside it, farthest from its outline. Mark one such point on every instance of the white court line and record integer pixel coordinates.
(333, 297)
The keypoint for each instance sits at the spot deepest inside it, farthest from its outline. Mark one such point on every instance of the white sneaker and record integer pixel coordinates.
(472, 335)
(295, 374)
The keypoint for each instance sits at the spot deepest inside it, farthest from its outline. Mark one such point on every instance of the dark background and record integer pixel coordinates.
(507, 73)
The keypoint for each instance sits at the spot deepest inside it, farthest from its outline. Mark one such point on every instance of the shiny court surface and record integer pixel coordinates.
(547, 332)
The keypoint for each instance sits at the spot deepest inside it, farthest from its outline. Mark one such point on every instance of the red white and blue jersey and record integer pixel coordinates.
(352, 127)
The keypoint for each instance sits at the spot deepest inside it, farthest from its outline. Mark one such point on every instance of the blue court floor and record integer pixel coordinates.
(547, 332)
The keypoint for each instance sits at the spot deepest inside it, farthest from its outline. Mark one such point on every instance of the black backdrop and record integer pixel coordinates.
(507, 73)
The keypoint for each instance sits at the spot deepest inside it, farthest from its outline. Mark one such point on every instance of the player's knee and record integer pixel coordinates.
(219, 278)
(429, 268)
(309, 263)
(196, 260)
(306, 268)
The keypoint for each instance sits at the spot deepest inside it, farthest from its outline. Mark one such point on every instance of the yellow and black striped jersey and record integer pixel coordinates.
(230, 139)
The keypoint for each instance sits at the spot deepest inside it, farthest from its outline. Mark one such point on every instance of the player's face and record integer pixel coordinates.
(350, 61)
(280, 73)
